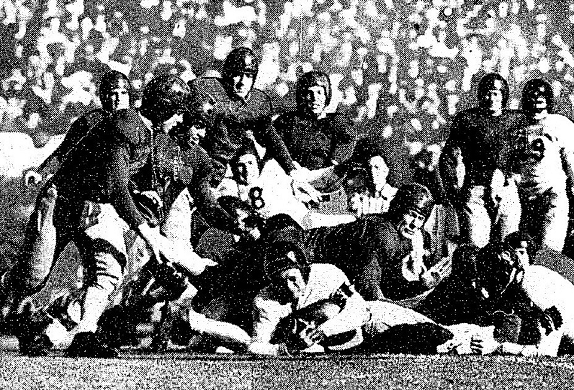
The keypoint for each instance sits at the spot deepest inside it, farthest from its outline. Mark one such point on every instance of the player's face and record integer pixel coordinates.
(411, 222)
(241, 217)
(245, 225)
(315, 99)
(536, 100)
(171, 122)
(522, 253)
(119, 96)
(378, 171)
(242, 83)
(247, 169)
(196, 133)
(492, 97)
(290, 284)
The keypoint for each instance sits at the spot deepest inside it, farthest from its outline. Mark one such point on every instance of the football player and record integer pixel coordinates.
(542, 146)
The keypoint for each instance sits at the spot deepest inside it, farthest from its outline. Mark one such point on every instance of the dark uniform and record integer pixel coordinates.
(370, 251)
(236, 122)
(95, 210)
(178, 167)
(316, 143)
(481, 139)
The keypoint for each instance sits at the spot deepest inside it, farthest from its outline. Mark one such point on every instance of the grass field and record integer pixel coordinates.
(136, 370)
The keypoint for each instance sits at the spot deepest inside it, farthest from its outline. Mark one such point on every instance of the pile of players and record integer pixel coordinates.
(248, 233)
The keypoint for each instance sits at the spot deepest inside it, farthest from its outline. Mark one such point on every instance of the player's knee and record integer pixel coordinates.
(108, 272)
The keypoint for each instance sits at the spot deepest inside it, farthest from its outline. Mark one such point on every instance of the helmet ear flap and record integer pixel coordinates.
(283, 255)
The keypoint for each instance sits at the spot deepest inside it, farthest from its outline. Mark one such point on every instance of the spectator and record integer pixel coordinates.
(369, 191)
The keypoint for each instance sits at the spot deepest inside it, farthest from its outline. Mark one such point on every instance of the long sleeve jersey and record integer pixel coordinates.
(542, 153)
(236, 122)
(316, 143)
(372, 254)
(187, 166)
(480, 138)
(80, 128)
(101, 167)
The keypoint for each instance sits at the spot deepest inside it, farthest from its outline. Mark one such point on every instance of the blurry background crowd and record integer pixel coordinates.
(400, 68)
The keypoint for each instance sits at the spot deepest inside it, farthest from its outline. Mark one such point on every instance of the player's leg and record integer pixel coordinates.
(475, 221)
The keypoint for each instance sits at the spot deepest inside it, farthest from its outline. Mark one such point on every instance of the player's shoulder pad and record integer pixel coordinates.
(326, 270)
(127, 126)
(259, 94)
(206, 85)
(91, 118)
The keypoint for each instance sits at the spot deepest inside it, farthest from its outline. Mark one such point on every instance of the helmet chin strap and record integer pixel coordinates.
(516, 275)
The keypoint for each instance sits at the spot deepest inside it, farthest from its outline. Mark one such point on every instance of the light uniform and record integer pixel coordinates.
(324, 282)
(542, 157)
(547, 288)
(272, 194)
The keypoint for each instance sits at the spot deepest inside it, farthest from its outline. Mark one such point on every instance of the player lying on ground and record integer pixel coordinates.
(305, 307)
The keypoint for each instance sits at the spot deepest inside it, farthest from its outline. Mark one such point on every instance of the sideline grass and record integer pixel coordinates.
(136, 370)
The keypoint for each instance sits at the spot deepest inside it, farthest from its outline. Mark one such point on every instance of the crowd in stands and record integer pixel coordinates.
(228, 228)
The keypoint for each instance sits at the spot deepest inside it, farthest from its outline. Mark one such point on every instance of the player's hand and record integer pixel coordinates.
(309, 337)
(437, 273)
(304, 192)
(32, 178)
(551, 319)
(194, 264)
(154, 197)
(496, 186)
(317, 335)
(355, 205)
(183, 256)
(481, 345)
(152, 237)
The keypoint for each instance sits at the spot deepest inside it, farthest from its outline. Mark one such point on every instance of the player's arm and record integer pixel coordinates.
(116, 173)
(566, 143)
(266, 134)
(345, 137)
(450, 161)
(353, 315)
(201, 190)
(550, 323)
(265, 321)
(54, 160)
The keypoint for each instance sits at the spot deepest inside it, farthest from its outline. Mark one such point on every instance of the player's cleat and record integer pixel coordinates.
(117, 327)
(28, 325)
(89, 344)
(162, 334)
(38, 345)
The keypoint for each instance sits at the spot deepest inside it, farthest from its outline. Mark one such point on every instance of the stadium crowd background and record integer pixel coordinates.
(400, 68)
